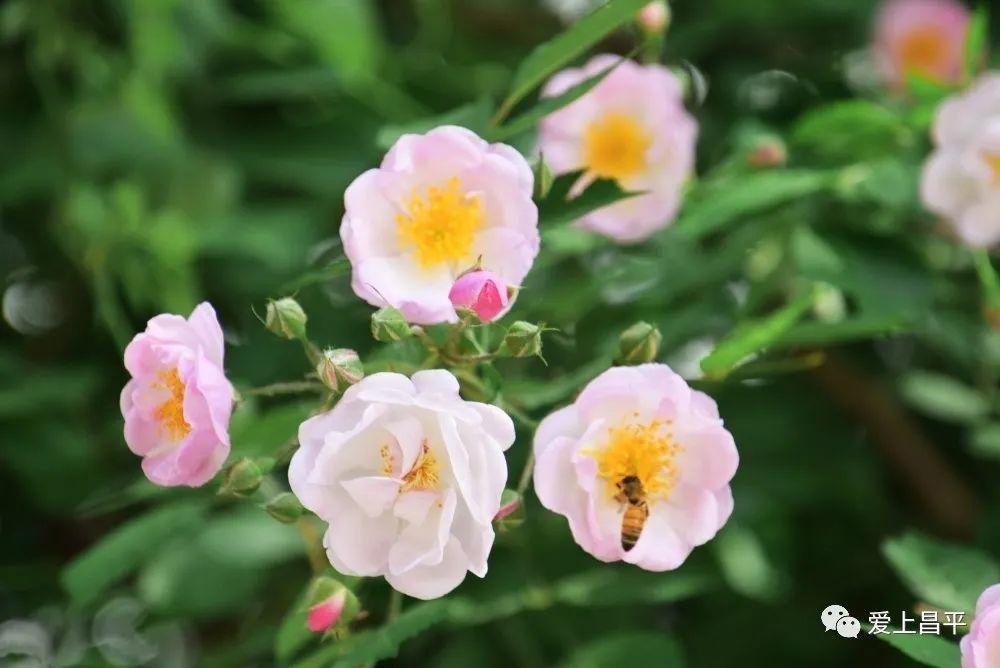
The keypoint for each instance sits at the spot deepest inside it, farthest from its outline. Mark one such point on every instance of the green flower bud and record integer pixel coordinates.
(286, 318)
(241, 478)
(639, 344)
(523, 339)
(388, 324)
(543, 178)
(339, 368)
(284, 508)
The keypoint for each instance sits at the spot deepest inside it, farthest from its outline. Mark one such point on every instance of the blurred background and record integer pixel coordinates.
(157, 153)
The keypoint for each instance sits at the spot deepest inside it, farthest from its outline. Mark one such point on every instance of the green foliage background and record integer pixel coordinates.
(161, 152)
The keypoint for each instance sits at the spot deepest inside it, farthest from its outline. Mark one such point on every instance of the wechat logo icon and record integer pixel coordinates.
(837, 618)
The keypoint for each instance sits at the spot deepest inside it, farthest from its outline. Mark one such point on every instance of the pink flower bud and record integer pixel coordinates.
(325, 614)
(654, 16)
(481, 291)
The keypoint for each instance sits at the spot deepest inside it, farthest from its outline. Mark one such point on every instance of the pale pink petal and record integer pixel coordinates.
(205, 325)
(359, 545)
(433, 581)
(660, 547)
(373, 494)
(424, 543)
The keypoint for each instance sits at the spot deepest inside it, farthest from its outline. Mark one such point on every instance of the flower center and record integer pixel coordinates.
(170, 414)
(645, 451)
(923, 51)
(425, 474)
(615, 146)
(992, 160)
(441, 224)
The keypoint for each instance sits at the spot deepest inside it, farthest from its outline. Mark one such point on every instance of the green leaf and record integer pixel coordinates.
(813, 255)
(943, 397)
(754, 336)
(745, 564)
(823, 334)
(355, 52)
(553, 55)
(926, 90)
(263, 434)
(985, 440)
(122, 551)
(557, 208)
(977, 40)
(548, 105)
(713, 206)
(850, 130)
(293, 634)
(623, 649)
(608, 586)
(249, 538)
(534, 393)
(942, 574)
(927, 649)
(473, 116)
(339, 267)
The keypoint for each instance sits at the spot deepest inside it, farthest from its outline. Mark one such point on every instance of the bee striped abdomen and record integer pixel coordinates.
(632, 523)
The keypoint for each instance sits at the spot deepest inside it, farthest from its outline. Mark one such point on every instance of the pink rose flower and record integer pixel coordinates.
(633, 128)
(981, 647)
(408, 475)
(438, 204)
(961, 178)
(640, 465)
(325, 614)
(178, 403)
(924, 37)
(482, 291)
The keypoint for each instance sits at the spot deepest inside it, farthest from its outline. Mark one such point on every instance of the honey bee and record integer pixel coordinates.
(632, 495)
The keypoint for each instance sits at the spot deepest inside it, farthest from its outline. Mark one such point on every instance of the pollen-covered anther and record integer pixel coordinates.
(615, 146)
(425, 474)
(388, 461)
(644, 450)
(441, 223)
(170, 414)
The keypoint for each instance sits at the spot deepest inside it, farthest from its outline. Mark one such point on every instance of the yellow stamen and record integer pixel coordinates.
(615, 146)
(923, 51)
(170, 414)
(993, 160)
(646, 451)
(425, 474)
(388, 461)
(441, 224)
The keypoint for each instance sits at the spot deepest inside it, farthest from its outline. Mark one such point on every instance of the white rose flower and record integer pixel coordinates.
(961, 180)
(408, 475)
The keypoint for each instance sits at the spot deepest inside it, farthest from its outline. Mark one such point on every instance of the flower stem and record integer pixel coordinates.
(988, 278)
(395, 606)
(529, 467)
(290, 387)
(313, 544)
